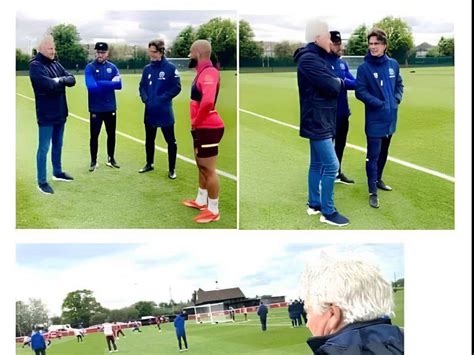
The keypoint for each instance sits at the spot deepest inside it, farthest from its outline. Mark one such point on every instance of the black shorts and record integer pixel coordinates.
(206, 141)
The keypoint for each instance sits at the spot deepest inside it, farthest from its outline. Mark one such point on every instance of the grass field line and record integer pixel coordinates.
(164, 150)
(361, 149)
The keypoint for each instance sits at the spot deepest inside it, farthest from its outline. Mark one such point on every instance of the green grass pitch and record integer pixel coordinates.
(120, 198)
(226, 338)
(274, 160)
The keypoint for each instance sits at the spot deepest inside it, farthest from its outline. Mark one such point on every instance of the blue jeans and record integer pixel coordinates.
(377, 153)
(322, 173)
(47, 134)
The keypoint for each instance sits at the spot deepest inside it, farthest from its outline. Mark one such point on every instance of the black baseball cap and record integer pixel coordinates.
(335, 36)
(101, 46)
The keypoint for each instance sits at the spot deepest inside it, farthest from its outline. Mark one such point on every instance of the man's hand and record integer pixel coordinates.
(68, 80)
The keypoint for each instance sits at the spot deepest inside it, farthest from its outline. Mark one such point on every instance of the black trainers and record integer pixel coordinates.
(112, 163)
(374, 201)
(93, 166)
(45, 188)
(313, 210)
(343, 179)
(334, 219)
(63, 177)
(146, 168)
(172, 174)
(381, 185)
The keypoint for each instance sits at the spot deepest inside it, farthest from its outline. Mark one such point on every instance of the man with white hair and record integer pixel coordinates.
(349, 303)
(49, 80)
(319, 89)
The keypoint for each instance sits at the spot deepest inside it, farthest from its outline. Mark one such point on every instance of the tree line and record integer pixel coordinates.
(81, 308)
(222, 33)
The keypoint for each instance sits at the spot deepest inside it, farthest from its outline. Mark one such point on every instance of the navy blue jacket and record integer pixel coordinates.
(37, 341)
(341, 68)
(262, 311)
(50, 93)
(377, 337)
(179, 324)
(379, 86)
(101, 87)
(160, 83)
(319, 88)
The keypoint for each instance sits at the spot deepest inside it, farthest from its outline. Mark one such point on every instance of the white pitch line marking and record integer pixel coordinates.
(361, 149)
(186, 159)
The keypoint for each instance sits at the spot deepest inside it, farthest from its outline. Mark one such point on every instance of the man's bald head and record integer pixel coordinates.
(47, 47)
(201, 49)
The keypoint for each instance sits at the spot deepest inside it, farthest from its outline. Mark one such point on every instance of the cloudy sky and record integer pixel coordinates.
(133, 27)
(138, 27)
(122, 274)
(291, 27)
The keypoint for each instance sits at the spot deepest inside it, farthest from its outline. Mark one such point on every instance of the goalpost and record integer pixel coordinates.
(353, 61)
(211, 313)
(182, 64)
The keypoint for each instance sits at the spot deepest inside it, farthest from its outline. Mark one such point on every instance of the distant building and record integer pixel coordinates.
(272, 299)
(227, 295)
(422, 49)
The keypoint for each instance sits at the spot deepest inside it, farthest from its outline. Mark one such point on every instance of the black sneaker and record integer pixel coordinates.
(334, 219)
(172, 174)
(63, 177)
(313, 210)
(374, 201)
(93, 166)
(45, 188)
(381, 185)
(146, 168)
(112, 163)
(343, 179)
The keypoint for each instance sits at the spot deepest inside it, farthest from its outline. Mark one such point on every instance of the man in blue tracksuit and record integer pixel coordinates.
(319, 89)
(379, 86)
(49, 80)
(102, 79)
(159, 84)
(341, 69)
(179, 324)
(38, 344)
(262, 312)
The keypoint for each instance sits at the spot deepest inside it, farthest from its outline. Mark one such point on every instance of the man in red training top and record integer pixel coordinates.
(207, 129)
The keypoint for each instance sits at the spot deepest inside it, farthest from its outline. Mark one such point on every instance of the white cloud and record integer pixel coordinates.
(292, 27)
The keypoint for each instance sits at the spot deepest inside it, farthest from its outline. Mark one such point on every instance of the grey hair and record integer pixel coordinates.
(355, 286)
(315, 27)
(45, 39)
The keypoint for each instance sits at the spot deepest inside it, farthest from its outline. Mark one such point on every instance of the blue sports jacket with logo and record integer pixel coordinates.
(379, 86)
(159, 84)
(101, 87)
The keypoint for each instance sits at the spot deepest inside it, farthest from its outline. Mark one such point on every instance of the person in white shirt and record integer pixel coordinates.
(78, 334)
(110, 336)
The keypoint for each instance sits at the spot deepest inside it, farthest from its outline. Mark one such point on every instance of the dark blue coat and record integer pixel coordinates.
(379, 86)
(262, 311)
(319, 89)
(179, 324)
(50, 94)
(377, 337)
(101, 87)
(341, 68)
(160, 83)
(37, 341)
